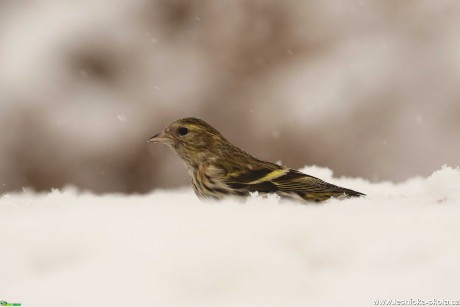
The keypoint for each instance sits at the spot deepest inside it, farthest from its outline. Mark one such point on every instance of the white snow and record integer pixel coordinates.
(69, 248)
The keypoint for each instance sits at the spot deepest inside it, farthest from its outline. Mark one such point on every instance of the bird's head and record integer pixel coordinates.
(193, 139)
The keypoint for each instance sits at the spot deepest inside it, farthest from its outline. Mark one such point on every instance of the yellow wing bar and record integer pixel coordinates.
(270, 176)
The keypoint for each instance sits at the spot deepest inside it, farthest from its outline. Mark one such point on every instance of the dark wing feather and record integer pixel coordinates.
(309, 187)
(249, 180)
(251, 175)
(274, 179)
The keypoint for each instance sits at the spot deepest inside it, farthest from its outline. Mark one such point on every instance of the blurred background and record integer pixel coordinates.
(366, 88)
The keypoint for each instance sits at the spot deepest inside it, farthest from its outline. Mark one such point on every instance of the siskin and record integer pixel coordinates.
(219, 169)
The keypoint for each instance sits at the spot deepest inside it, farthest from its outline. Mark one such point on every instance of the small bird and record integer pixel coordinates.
(219, 169)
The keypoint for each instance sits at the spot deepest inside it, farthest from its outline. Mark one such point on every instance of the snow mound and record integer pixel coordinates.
(67, 248)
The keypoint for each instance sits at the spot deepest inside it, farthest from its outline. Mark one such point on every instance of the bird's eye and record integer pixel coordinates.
(183, 131)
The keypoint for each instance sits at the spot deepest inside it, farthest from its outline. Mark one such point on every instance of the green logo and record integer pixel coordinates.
(5, 303)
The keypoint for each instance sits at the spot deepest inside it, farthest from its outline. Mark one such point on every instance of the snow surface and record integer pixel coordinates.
(69, 248)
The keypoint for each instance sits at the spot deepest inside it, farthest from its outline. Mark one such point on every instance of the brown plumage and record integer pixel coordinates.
(218, 168)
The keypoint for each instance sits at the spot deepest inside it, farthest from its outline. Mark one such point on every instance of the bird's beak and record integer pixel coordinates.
(162, 137)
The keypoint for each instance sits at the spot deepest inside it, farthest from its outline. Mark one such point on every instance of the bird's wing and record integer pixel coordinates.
(257, 179)
(286, 181)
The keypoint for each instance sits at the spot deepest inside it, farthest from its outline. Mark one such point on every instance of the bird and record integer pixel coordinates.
(218, 169)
